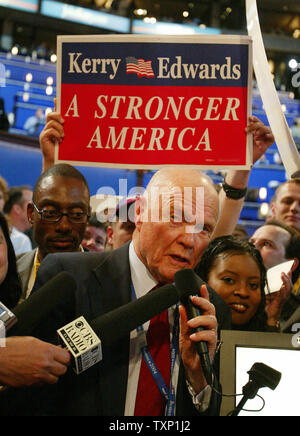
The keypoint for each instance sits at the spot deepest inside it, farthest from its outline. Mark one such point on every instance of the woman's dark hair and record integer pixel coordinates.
(231, 246)
(10, 288)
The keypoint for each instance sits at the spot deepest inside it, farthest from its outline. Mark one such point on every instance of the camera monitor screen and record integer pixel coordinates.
(239, 351)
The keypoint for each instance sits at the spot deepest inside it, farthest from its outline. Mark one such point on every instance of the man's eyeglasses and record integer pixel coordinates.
(54, 216)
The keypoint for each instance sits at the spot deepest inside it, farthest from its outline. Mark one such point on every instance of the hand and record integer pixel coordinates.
(187, 339)
(52, 133)
(26, 361)
(276, 300)
(262, 137)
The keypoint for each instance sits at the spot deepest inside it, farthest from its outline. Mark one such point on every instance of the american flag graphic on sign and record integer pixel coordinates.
(139, 66)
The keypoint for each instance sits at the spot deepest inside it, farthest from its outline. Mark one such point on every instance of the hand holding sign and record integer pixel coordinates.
(263, 137)
(51, 135)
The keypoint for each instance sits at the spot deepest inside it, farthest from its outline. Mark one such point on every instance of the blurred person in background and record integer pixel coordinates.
(278, 243)
(94, 238)
(15, 209)
(122, 225)
(33, 124)
(240, 232)
(3, 193)
(16, 206)
(285, 205)
(295, 129)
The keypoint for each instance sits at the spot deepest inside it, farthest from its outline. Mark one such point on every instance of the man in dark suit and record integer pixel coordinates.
(59, 213)
(160, 248)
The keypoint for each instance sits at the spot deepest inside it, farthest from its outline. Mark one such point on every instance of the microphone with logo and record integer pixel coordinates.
(188, 283)
(85, 341)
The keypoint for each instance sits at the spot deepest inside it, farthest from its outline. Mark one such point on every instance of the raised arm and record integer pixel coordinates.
(230, 209)
(53, 132)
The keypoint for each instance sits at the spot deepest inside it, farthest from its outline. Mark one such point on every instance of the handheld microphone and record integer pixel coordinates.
(188, 283)
(58, 293)
(131, 315)
(82, 338)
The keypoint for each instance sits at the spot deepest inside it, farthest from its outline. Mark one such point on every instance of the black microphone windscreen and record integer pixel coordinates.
(57, 293)
(114, 325)
(187, 283)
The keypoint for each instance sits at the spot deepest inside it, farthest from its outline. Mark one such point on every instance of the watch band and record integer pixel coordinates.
(234, 193)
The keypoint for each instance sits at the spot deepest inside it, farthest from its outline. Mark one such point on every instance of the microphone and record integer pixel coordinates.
(58, 293)
(82, 339)
(131, 315)
(188, 283)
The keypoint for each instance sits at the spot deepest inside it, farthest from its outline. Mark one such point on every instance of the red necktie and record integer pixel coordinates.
(149, 400)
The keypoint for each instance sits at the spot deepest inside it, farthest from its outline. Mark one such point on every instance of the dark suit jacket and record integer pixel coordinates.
(103, 284)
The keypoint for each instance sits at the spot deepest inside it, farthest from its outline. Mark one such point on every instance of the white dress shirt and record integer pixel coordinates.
(20, 241)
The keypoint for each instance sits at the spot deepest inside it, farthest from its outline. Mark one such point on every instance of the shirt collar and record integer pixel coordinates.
(141, 278)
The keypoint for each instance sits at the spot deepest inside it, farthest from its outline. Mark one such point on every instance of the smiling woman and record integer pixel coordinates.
(235, 270)
(10, 288)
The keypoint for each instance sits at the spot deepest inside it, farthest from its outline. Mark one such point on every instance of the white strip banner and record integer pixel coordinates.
(283, 136)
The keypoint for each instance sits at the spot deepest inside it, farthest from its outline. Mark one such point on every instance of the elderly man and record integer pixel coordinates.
(171, 232)
(158, 250)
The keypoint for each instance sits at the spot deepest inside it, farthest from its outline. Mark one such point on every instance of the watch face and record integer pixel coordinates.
(233, 194)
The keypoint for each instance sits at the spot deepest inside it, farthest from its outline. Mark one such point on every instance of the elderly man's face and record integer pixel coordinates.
(166, 246)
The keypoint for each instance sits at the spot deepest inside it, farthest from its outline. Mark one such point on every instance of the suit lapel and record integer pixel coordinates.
(114, 274)
(24, 266)
(111, 289)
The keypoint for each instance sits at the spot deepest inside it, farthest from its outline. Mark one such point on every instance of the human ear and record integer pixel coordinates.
(295, 264)
(30, 213)
(140, 208)
(109, 234)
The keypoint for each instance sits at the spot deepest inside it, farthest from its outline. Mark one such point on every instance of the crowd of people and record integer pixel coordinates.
(51, 228)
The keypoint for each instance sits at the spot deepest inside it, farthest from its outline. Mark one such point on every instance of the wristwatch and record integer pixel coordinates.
(232, 192)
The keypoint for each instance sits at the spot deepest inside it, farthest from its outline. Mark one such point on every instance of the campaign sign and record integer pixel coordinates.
(144, 102)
